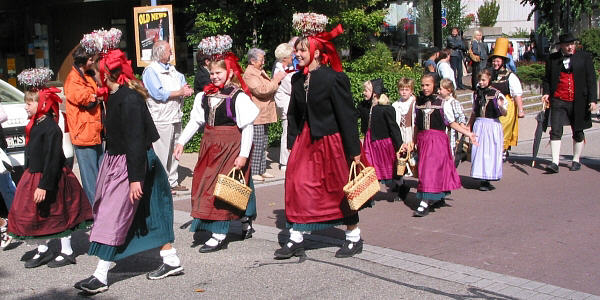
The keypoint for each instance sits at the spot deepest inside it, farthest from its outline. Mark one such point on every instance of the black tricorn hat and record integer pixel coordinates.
(378, 87)
(566, 38)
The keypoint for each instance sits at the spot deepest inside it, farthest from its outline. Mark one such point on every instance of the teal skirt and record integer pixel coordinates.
(152, 226)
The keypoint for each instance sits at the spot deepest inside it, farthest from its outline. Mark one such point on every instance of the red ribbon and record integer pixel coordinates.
(330, 55)
(47, 100)
(112, 60)
(231, 63)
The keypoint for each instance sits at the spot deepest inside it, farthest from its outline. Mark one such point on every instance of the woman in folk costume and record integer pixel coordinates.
(382, 136)
(49, 201)
(509, 85)
(133, 209)
(323, 138)
(488, 106)
(227, 112)
(437, 174)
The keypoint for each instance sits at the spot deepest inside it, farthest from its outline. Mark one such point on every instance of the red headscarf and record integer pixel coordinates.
(110, 61)
(47, 100)
(330, 55)
(231, 63)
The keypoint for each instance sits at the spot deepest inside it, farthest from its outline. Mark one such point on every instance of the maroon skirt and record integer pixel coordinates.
(219, 148)
(316, 173)
(61, 210)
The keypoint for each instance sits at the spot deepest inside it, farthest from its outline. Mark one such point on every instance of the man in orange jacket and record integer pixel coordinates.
(84, 118)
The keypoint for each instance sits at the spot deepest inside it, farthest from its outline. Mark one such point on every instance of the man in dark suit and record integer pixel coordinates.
(202, 77)
(570, 89)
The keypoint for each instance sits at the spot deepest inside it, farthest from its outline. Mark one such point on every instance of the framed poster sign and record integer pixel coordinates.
(152, 24)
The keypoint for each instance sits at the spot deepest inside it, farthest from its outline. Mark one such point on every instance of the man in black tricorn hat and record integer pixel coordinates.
(570, 90)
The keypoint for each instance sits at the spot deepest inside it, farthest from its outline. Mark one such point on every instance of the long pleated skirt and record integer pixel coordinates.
(381, 155)
(437, 173)
(486, 159)
(122, 228)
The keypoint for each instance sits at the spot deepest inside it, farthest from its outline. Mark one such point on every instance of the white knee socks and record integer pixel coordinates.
(215, 239)
(65, 247)
(577, 149)
(102, 271)
(555, 145)
(353, 235)
(170, 257)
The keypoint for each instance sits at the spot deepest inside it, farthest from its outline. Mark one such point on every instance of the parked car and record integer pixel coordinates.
(13, 102)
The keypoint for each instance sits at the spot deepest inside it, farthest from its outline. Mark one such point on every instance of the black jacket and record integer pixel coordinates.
(584, 78)
(383, 123)
(330, 108)
(129, 130)
(44, 153)
(201, 79)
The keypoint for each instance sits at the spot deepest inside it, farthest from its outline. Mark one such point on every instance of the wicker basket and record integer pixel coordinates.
(362, 187)
(231, 190)
(413, 162)
(401, 163)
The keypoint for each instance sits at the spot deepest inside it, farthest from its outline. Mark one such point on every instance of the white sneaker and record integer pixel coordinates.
(257, 178)
(267, 175)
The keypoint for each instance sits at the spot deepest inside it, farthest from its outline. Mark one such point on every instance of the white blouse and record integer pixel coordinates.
(245, 112)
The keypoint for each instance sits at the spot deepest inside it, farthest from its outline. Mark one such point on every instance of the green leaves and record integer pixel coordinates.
(531, 73)
(487, 13)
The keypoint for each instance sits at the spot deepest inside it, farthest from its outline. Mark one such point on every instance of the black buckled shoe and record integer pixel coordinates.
(247, 234)
(163, 271)
(575, 166)
(285, 252)
(42, 259)
(552, 168)
(349, 249)
(91, 285)
(67, 260)
(421, 213)
(403, 192)
(221, 244)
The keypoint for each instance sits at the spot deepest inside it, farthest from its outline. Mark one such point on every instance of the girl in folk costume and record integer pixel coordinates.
(382, 137)
(447, 94)
(133, 209)
(49, 201)
(405, 108)
(509, 85)
(437, 174)
(227, 112)
(488, 106)
(323, 137)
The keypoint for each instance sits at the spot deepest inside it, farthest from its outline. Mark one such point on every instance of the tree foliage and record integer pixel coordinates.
(455, 14)
(558, 16)
(267, 23)
(488, 13)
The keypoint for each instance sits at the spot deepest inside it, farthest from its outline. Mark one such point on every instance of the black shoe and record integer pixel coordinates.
(247, 234)
(552, 168)
(163, 271)
(285, 252)
(403, 191)
(438, 204)
(43, 259)
(91, 285)
(67, 260)
(418, 213)
(575, 166)
(349, 249)
(485, 186)
(220, 245)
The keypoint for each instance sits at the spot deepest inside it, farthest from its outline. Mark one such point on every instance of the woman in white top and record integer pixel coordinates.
(227, 114)
(283, 54)
(443, 66)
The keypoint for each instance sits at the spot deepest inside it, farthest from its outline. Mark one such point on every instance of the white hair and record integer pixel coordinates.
(254, 53)
(159, 49)
(282, 51)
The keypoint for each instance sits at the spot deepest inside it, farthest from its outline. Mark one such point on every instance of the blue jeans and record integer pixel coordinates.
(89, 159)
(7, 189)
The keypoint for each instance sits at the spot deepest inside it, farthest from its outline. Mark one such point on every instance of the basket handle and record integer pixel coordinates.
(353, 170)
(235, 171)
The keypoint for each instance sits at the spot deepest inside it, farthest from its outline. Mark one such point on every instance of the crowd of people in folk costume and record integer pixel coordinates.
(128, 186)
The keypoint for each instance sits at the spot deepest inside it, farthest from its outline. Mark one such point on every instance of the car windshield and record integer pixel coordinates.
(10, 94)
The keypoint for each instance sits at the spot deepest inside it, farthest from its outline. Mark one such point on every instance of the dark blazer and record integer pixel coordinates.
(330, 108)
(585, 84)
(201, 79)
(130, 130)
(383, 124)
(44, 153)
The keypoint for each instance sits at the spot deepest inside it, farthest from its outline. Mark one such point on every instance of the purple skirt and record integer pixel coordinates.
(435, 163)
(486, 159)
(381, 155)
